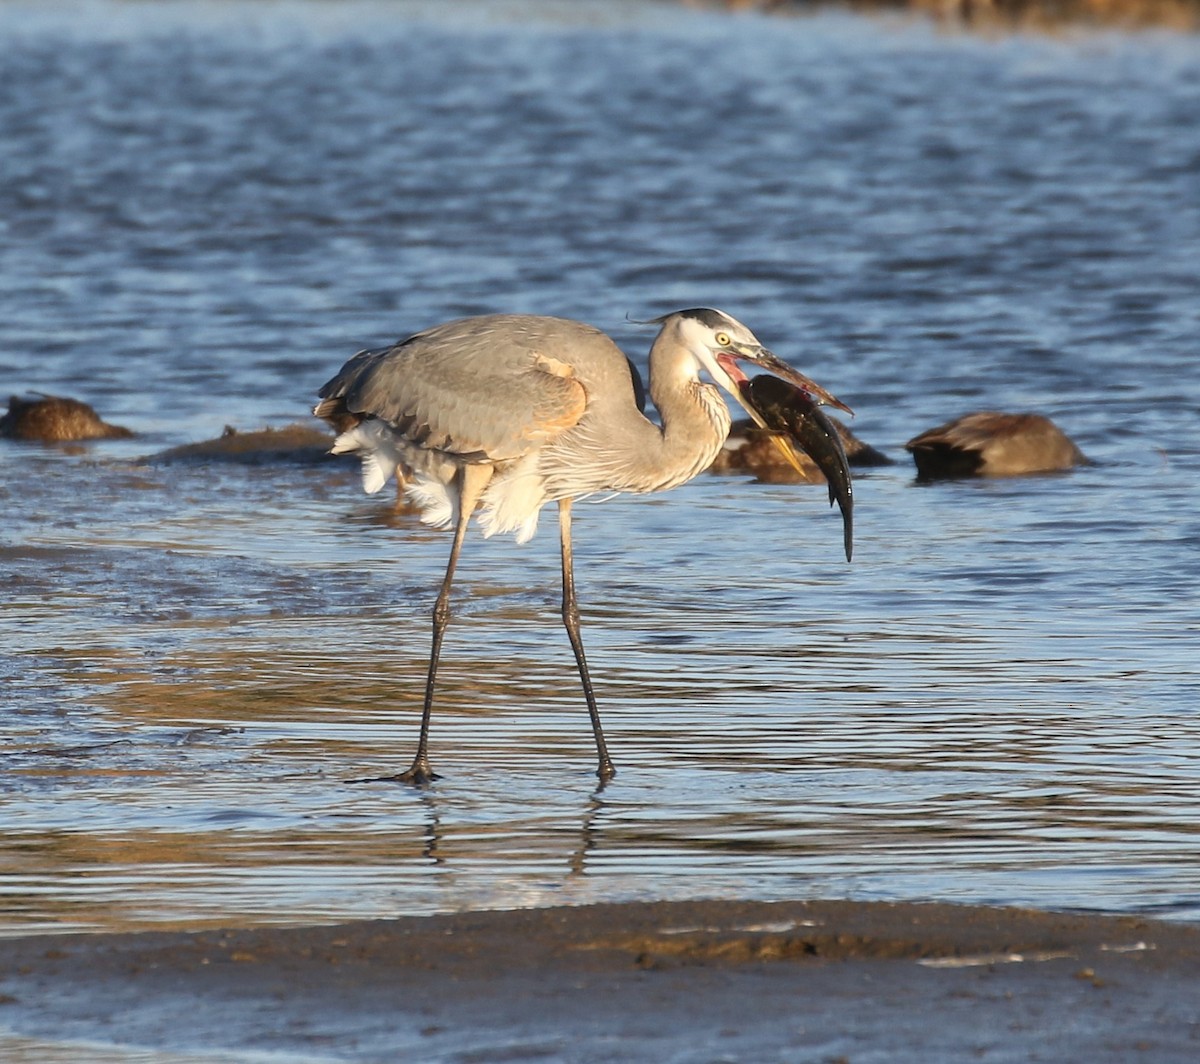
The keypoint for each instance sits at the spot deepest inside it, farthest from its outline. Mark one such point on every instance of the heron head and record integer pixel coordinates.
(723, 345)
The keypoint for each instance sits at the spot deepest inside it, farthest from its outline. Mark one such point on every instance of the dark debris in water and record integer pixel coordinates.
(84, 750)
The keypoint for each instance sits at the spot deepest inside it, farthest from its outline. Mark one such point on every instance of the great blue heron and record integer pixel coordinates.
(510, 412)
(993, 444)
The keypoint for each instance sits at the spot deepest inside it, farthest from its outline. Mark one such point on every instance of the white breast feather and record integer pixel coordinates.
(513, 499)
(375, 444)
(437, 502)
(510, 503)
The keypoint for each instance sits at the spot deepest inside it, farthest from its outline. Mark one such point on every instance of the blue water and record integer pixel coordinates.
(206, 207)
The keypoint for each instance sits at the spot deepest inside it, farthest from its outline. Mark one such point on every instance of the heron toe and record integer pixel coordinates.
(420, 775)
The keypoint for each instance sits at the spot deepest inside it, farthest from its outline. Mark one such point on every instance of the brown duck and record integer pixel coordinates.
(991, 444)
(55, 419)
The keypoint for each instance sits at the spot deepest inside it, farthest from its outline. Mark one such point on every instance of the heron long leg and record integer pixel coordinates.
(472, 480)
(570, 614)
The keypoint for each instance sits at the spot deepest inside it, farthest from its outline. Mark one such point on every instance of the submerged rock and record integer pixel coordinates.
(295, 443)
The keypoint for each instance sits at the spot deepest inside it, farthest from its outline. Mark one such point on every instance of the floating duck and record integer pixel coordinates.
(55, 419)
(993, 444)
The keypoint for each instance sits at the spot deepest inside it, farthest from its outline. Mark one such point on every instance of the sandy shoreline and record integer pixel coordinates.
(704, 981)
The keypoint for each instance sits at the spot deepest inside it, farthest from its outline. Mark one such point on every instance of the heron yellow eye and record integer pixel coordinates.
(722, 339)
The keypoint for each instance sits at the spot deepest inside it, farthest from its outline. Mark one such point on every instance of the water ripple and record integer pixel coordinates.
(995, 702)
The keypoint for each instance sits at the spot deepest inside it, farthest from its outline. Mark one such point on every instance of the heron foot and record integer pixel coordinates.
(420, 775)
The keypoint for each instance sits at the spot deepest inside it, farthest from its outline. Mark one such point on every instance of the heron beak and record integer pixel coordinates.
(796, 420)
(772, 363)
(729, 358)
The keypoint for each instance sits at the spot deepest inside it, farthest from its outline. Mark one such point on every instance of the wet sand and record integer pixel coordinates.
(671, 981)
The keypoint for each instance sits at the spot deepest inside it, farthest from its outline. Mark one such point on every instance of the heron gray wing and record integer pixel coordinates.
(480, 388)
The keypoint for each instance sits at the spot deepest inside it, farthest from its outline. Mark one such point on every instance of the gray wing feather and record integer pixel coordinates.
(479, 388)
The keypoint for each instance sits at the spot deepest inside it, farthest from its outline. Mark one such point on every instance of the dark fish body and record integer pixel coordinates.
(798, 419)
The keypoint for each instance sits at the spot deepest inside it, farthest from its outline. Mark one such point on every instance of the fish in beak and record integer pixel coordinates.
(735, 353)
(788, 408)
(786, 403)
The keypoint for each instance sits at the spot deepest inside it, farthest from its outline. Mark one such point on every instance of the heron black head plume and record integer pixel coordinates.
(705, 315)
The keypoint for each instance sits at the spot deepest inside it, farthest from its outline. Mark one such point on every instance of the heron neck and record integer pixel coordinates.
(695, 419)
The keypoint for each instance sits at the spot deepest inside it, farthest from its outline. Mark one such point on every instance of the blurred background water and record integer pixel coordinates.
(206, 207)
